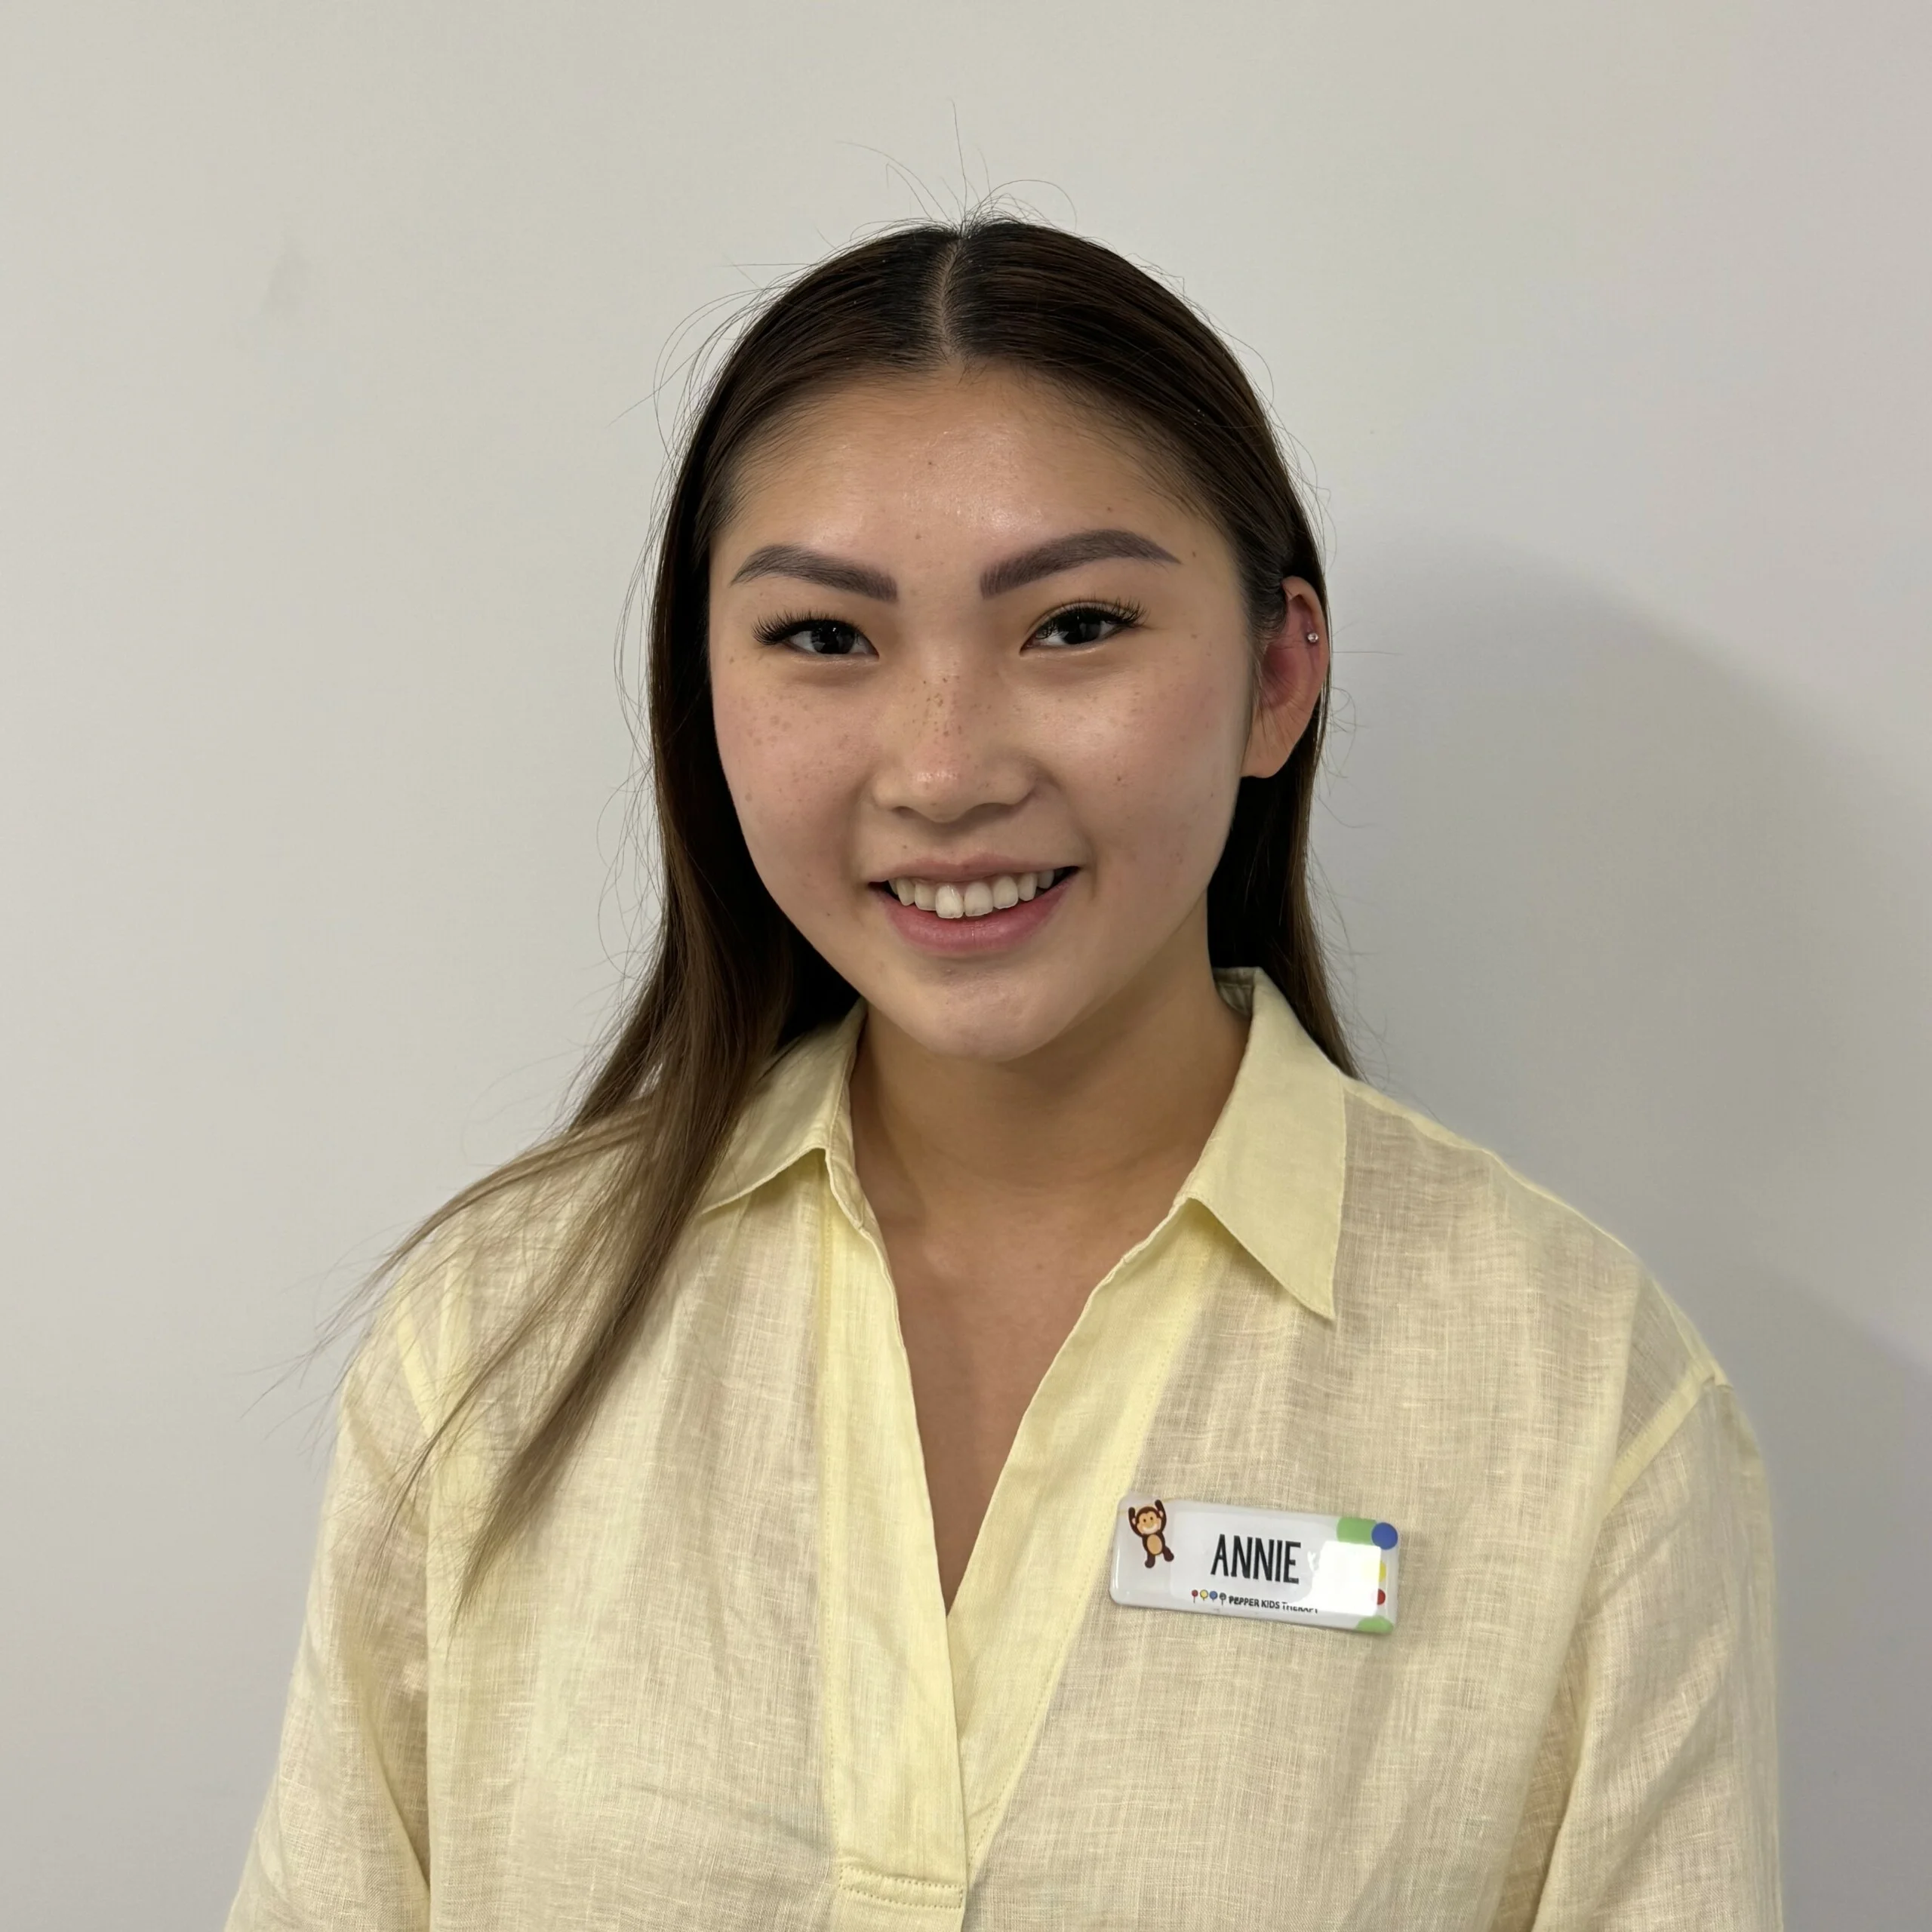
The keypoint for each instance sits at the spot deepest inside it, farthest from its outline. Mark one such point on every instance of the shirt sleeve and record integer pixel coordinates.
(1655, 1802)
(343, 1837)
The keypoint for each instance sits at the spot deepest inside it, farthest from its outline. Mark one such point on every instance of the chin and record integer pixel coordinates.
(990, 1023)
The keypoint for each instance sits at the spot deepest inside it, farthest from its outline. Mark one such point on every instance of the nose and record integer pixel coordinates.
(952, 742)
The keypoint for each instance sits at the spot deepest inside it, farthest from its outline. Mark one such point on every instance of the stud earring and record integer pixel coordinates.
(1314, 637)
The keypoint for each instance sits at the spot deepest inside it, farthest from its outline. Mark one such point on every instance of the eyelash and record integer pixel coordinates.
(776, 630)
(1127, 616)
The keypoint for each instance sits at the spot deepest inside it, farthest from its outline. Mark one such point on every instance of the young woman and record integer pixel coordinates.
(983, 1419)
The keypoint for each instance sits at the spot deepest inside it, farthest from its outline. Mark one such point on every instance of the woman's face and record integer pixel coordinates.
(967, 652)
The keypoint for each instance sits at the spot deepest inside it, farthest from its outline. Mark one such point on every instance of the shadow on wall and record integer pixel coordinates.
(1615, 914)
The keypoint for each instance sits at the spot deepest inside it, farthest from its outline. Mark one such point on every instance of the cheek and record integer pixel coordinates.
(1159, 773)
(787, 779)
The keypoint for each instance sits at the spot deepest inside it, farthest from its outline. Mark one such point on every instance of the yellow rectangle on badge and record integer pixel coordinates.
(1336, 1572)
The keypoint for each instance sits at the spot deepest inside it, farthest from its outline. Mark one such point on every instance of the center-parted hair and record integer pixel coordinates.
(730, 982)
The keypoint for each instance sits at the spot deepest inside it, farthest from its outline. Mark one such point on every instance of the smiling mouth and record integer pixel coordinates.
(973, 899)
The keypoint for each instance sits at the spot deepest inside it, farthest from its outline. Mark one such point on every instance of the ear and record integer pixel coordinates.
(1294, 666)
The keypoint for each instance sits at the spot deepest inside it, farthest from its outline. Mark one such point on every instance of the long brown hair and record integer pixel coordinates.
(730, 982)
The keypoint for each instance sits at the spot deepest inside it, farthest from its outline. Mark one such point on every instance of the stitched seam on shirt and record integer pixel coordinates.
(996, 1812)
(1643, 1448)
(854, 1816)
(882, 1888)
(1693, 1343)
(830, 1719)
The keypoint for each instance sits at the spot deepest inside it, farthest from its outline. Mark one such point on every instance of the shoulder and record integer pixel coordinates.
(1457, 1211)
(1529, 1284)
(492, 1263)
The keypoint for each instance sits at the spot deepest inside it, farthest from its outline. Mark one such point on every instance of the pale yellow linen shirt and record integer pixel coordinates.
(716, 1686)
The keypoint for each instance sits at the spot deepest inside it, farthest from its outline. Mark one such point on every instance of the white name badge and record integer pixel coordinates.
(1335, 1571)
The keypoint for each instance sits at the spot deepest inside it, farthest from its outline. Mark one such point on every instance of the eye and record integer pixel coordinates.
(815, 637)
(1084, 624)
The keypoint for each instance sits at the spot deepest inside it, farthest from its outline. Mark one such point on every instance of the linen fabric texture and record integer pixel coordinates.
(716, 1684)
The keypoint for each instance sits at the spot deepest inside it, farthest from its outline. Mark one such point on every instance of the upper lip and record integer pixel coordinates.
(954, 872)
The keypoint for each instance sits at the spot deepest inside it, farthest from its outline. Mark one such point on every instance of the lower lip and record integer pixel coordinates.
(993, 932)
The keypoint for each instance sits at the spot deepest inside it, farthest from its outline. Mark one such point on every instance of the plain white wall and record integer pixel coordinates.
(327, 337)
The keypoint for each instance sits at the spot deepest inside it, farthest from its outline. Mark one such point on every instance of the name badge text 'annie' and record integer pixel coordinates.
(1335, 1571)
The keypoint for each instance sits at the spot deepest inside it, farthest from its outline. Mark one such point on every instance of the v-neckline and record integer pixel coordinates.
(931, 1711)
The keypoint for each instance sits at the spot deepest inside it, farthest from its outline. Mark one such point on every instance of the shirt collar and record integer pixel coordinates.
(1272, 1170)
(1271, 1173)
(802, 1103)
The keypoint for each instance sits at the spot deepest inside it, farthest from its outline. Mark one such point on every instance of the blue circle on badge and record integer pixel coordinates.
(1383, 1536)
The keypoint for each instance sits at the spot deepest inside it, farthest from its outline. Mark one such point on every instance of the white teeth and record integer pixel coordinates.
(975, 898)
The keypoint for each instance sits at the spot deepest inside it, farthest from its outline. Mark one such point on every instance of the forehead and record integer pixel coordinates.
(985, 452)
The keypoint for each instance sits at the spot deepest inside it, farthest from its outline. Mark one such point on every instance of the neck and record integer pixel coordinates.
(1128, 1095)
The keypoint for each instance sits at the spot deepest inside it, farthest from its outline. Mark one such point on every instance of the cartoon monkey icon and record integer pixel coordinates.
(1147, 1521)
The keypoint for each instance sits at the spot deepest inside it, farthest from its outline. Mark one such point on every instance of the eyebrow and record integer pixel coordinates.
(1067, 553)
(1047, 559)
(815, 567)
